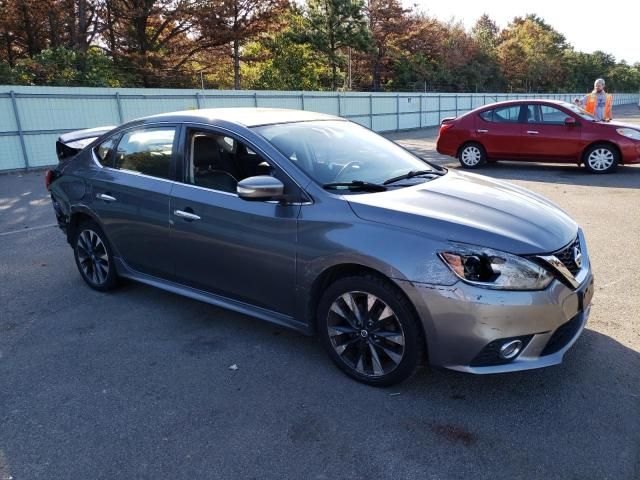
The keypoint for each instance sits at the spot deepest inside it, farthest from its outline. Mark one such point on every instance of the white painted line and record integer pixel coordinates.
(28, 229)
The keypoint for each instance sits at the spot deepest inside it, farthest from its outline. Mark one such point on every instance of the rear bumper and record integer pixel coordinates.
(445, 148)
(462, 321)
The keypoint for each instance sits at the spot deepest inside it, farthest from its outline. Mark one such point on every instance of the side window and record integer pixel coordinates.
(533, 114)
(487, 116)
(219, 162)
(552, 115)
(104, 151)
(147, 151)
(506, 114)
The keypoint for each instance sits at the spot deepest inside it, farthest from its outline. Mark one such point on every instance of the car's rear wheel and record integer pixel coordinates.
(370, 330)
(472, 155)
(601, 158)
(93, 256)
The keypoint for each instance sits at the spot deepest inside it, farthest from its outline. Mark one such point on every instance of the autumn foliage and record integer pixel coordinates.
(368, 45)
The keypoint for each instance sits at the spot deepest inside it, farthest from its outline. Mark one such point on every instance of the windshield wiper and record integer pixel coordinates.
(367, 186)
(413, 173)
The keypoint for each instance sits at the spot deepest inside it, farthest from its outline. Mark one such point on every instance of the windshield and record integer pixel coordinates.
(340, 151)
(579, 111)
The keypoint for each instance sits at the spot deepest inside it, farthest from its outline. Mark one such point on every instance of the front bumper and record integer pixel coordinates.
(462, 320)
(630, 150)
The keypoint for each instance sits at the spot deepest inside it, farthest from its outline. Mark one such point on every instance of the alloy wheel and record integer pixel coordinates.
(366, 334)
(93, 257)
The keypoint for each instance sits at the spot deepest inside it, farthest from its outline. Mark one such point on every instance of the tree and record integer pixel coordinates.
(485, 32)
(531, 54)
(236, 22)
(285, 64)
(335, 25)
(59, 66)
(153, 39)
(24, 28)
(389, 24)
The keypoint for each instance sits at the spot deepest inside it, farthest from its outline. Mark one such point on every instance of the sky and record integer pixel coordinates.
(613, 27)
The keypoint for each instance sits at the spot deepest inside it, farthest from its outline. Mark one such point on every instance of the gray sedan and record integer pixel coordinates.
(318, 224)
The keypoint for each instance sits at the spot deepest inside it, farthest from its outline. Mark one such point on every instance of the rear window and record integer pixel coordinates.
(502, 114)
(104, 151)
(147, 151)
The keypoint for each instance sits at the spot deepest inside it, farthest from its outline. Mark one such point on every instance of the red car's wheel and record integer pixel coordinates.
(472, 155)
(601, 158)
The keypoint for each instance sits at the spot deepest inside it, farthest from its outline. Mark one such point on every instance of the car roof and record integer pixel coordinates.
(247, 116)
(524, 101)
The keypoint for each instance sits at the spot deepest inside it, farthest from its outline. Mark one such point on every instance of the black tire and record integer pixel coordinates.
(472, 155)
(378, 351)
(94, 257)
(601, 158)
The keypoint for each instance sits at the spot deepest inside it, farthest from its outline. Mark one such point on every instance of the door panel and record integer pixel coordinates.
(136, 221)
(244, 250)
(499, 130)
(546, 137)
(241, 249)
(131, 196)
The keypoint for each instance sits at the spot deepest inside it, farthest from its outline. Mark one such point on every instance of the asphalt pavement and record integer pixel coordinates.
(136, 383)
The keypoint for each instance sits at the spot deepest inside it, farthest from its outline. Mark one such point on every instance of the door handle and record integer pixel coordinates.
(532, 132)
(186, 215)
(482, 131)
(105, 197)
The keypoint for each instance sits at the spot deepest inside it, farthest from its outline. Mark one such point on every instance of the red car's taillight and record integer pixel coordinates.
(48, 178)
(444, 127)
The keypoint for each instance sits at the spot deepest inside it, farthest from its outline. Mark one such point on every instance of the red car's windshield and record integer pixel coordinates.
(579, 111)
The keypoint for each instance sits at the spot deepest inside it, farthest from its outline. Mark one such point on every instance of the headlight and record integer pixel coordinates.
(629, 133)
(489, 268)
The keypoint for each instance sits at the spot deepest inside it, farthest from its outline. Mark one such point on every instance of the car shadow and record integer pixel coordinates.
(626, 176)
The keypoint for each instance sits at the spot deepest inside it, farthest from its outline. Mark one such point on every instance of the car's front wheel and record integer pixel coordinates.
(601, 158)
(93, 256)
(472, 155)
(370, 330)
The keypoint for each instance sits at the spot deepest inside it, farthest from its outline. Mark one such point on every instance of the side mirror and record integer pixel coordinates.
(262, 187)
(569, 121)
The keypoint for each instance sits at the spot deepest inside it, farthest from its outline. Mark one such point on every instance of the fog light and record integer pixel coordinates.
(510, 349)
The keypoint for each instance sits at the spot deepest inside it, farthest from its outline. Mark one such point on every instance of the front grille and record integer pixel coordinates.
(567, 256)
(562, 336)
(490, 355)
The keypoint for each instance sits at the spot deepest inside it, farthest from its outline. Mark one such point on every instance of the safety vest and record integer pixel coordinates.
(590, 106)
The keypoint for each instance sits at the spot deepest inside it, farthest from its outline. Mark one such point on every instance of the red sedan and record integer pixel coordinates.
(538, 131)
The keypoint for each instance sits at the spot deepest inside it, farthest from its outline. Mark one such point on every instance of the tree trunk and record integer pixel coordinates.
(28, 29)
(236, 64)
(8, 42)
(81, 42)
(53, 30)
(111, 34)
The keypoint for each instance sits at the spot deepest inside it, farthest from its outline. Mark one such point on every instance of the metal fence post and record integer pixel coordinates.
(397, 112)
(198, 100)
(339, 105)
(371, 111)
(120, 116)
(255, 99)
(20, 132)
(439, 110)
(302, 100)
(456, 97)
(420, 110)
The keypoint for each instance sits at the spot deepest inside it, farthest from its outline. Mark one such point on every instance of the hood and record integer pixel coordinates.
(468, 208)
(615, 124)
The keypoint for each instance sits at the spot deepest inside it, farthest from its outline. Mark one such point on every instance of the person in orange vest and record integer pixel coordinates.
(598, 103)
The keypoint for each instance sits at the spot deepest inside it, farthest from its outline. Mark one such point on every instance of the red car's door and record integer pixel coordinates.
(546, 136)
(499, 130)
